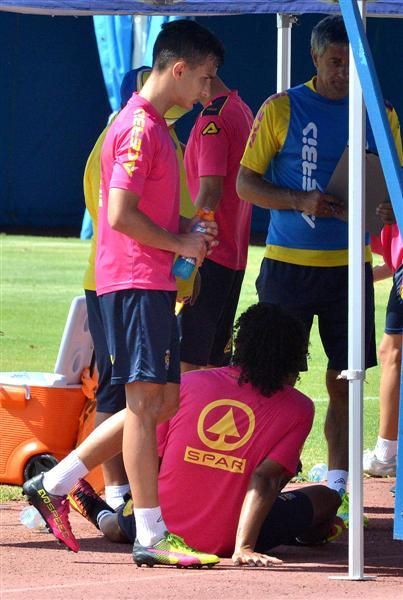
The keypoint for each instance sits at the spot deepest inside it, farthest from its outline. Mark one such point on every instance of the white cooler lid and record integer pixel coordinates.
(76, 347)
(33, 378)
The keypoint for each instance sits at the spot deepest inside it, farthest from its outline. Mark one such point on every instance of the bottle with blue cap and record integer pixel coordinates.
(184, 265)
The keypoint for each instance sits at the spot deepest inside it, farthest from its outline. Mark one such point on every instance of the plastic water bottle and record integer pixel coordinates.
(318, 472)
(32, 519)
(184, 265)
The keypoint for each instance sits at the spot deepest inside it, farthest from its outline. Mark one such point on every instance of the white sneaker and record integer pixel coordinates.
(378, 468)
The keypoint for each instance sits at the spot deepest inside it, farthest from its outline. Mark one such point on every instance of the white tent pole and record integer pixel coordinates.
(284, 24)
(356, 315)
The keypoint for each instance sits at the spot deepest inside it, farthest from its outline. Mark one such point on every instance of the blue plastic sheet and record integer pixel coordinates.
(189, 7)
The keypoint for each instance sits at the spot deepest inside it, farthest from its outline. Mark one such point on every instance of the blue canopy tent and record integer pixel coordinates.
(363, 74)
(189, 7)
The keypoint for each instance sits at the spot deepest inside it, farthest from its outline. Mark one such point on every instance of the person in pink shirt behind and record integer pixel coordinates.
(139, 232)
(213, 153)
(381, 461)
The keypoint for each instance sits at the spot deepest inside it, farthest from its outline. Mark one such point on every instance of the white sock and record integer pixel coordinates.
(114, 494)
(385, 449)
(64, 476)
(150, 526)
(337, 480)
(102, 515)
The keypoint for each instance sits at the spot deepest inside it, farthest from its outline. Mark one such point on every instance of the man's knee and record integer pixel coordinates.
(145, 399)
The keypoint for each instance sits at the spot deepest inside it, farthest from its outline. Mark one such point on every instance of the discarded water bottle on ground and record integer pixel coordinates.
(184, 265)
(32, 519)
(318, 472)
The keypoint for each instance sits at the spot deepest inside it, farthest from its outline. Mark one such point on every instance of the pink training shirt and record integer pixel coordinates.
(389, 245)
(215, 148)
(138, 155)
(211, 447)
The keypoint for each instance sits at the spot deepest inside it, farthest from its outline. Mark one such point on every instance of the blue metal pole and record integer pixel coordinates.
(392, 171)
(398, 522)
(375, 105)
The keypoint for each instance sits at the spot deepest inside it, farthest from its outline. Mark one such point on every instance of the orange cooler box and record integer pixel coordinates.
(37, 422)
(44, 415)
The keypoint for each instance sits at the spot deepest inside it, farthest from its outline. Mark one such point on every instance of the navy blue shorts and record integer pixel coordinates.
(394, 310)
(322, 291)
(142, 335)
(110, 398)
(290, 517)
(206, 327)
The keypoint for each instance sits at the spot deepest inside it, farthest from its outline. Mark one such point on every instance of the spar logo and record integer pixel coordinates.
(309, 155)
(222, 433)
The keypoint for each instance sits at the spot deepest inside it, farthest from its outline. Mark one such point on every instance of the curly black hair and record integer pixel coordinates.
(271, 346)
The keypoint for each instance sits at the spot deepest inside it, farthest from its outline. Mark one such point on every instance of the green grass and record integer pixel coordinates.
(39, 278)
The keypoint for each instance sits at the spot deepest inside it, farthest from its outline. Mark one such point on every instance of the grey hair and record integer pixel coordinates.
(330, 30)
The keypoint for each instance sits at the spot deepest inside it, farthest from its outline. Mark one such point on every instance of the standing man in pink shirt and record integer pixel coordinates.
(212, 157)
(139, 232)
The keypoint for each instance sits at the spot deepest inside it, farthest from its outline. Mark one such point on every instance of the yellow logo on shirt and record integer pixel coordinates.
(224, 435)
(215, 460)
(210, 129)
(136, 136)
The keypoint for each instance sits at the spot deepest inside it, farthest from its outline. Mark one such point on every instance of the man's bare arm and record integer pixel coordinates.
(252, 187)
(264, 486)
(210, 192)
(125, 217)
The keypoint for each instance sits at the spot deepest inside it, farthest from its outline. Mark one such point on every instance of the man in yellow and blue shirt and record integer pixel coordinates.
(295, 144)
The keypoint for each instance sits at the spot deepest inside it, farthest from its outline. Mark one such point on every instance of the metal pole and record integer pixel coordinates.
(356, 321)
(284, 24)
(398, 521)
(356, 317)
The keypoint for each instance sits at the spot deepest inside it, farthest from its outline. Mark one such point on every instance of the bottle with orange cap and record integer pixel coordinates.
(184, 265)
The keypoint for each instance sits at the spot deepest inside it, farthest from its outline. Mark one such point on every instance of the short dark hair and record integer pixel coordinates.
(330, 30)
(270, 346)
(185, 39)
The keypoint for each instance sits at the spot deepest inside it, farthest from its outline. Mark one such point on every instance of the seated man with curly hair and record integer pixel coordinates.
(228, 452)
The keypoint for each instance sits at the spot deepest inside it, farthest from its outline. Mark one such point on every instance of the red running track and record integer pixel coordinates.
(34, 566)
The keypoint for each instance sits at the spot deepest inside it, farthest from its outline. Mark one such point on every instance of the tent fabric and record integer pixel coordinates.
(114, 36)
(146, 30)
(189, 7)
